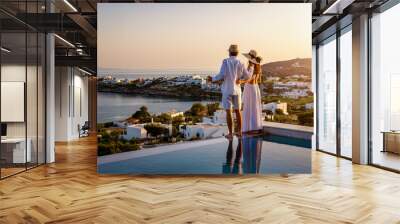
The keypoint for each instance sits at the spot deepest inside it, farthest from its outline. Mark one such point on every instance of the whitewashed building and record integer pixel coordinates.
(121, 124)
(219, 117)
(276, 105)
(309, 106)
(135, 131)
(203, 131)
(295, 93)
(175, 113)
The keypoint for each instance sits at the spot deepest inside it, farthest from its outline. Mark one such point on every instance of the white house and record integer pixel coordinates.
(218, 118)
(210, 86)
(109, 80)
(276, 105)
(175, 114)
(273, 78)
(203, 131)
(121, 124)
(135, 131)
(309, 106)
(295, 93)
(292, 84)
(196, 80)
(124, 81)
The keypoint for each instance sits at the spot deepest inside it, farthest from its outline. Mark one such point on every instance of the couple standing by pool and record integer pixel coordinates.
(232, 74)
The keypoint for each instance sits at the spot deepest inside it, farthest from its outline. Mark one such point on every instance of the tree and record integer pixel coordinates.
(269, 88)
(110, 142)
(143, 109)
(198, 109)
(142, 115)
(282, 118)
(126, 147)
(156, 130)
(269, 115)
(268, 112)
(163, 118)
(279, 111)
(178, 120)
(175, 131)
(211, 108)
(306, 118)
(108, 124)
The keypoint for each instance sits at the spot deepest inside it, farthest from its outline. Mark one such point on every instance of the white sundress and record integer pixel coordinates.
(252, 108)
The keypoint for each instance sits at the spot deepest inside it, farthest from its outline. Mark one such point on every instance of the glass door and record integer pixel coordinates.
(385, 89)
(13, 94)
(327, 96)
(22, 98)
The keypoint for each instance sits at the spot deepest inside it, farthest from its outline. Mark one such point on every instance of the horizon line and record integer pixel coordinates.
(171, 71)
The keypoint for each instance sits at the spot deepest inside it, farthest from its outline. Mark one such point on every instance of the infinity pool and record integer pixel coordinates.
(248, 155)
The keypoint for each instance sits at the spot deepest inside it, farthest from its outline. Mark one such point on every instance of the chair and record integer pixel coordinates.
(84, 130)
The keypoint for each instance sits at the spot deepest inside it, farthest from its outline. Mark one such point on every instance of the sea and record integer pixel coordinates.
(117, 106)
(151, 75)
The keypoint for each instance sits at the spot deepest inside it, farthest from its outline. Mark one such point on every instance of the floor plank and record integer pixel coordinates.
(70, 191)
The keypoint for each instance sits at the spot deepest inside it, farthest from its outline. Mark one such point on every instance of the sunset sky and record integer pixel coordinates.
(195, 37)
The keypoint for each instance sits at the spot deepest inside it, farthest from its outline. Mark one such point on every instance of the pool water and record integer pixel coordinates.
(248, 155)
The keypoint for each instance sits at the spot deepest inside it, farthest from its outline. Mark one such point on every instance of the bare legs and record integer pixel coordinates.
(229, 121)
(239, 122)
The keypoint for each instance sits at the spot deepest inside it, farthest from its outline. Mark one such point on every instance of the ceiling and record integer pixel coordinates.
(75, 21)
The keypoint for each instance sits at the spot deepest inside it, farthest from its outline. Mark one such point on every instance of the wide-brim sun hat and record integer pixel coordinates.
(251, 56)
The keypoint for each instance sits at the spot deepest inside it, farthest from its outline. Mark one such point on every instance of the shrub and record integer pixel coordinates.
(306, 118)
(211, 108)
(198, 109)
(279, 111)
(142, 115)
(155, 130)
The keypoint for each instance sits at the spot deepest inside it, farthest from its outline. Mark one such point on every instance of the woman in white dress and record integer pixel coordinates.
(252, 108)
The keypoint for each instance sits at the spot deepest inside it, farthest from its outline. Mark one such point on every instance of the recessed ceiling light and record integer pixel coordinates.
(5, 50)
(86, 72)
(64, 40)
(70, 5)
(338, 6)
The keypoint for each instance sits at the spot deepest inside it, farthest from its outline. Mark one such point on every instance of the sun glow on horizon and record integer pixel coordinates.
(195, 37)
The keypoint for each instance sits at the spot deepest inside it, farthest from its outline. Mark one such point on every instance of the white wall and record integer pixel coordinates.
(16, 73)
(71, 102)
(33, 126)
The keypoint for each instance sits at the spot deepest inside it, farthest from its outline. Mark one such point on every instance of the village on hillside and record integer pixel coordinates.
(287, 98)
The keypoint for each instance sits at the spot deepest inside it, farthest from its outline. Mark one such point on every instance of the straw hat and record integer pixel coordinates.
(233, 48)
(252, 55)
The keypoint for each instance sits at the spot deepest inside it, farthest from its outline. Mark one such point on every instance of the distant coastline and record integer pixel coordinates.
(132, 75)
(190, 95)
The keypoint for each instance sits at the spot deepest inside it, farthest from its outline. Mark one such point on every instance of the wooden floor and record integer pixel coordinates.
(70, 191)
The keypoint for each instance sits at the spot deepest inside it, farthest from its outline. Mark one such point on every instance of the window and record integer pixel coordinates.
(22, 76)
(385, 89)
(327, 95)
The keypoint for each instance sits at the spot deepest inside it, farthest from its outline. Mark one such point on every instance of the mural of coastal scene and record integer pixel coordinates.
(158, 111)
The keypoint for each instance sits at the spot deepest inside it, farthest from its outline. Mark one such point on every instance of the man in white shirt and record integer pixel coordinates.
(231, 70)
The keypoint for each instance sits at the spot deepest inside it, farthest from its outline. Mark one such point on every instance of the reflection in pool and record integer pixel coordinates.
(248, 155)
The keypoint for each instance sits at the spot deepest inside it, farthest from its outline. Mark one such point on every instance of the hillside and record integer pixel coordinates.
(298, 66)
